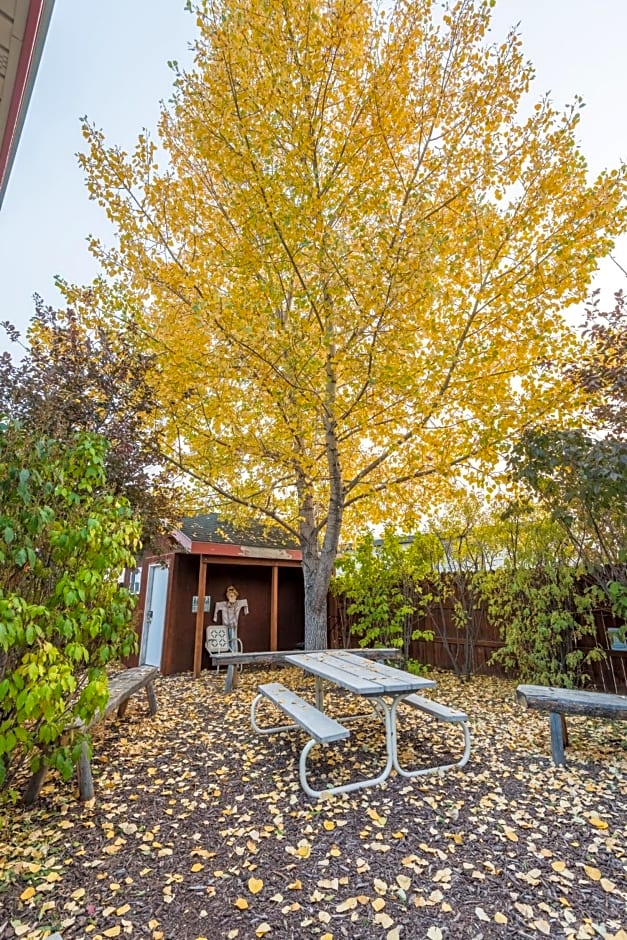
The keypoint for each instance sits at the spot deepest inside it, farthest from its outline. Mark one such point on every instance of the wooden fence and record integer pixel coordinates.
(469, 651)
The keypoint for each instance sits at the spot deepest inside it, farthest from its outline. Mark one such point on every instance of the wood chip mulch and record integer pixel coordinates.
(200, 828)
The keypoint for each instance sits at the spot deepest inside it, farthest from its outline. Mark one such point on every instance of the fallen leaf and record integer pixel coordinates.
(348, 905)
(241, 904)
(255, 885)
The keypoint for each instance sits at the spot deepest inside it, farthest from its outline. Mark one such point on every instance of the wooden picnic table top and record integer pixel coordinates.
(358, 675)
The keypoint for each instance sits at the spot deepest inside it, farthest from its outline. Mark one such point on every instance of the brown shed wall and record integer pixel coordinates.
(252, 578)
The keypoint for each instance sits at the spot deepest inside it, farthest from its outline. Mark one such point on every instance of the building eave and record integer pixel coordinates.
(25, 25)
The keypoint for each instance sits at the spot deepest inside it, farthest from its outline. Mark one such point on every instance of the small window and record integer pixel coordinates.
(135, 581)
(616, 643)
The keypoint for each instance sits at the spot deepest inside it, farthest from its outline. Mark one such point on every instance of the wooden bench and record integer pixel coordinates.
(561, 702)
(321, 728)
(232, 659)
(441, 713)
(121, 687)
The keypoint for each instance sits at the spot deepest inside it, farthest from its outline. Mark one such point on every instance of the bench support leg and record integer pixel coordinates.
(390, 737)
(34, 785)
(231, 678)
(253, 719)
(85, 778)
(439, 768)
(558, 726)
(152, 698)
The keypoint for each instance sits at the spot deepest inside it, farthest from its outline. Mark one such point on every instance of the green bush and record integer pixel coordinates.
(384, 587)
(64, 541)
(541, 605)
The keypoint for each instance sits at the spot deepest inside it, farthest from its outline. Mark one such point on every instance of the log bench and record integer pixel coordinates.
(321, 728)
(441, 713)
(234, 659)
(561, 702)
(121, 687)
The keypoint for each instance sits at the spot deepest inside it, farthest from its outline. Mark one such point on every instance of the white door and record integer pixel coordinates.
(154, 616)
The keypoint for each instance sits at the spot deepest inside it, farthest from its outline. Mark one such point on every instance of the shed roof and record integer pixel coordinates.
(207, 532)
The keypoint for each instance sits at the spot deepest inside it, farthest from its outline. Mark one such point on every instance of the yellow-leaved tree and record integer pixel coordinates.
(352, 262)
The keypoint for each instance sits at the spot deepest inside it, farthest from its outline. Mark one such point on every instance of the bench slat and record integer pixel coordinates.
(320, 726)
(442, 712)
(573, 701)
(125, 684)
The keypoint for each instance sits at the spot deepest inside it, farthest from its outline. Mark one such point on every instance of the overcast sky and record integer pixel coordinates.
(109, 60)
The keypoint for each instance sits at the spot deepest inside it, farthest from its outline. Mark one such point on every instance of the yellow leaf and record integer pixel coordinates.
(241, 903)
(112, 931)
(328, 825)
(348, 905)
(304, 851)
(263, 929)
(510, 834)
(27, 893)
(598, 823)
(500, 918)
(123, 910)
(295, 885)
(197, 866)
(378, 904)
(543, 926)
(403, 882)
(255, 885)
(593, 873)
(558, 866)
(607, 885)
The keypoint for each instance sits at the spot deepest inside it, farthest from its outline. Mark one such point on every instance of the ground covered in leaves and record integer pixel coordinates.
(200, 829)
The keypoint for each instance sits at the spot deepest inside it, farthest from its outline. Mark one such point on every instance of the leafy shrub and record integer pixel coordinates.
(384, 585)
(64, 540)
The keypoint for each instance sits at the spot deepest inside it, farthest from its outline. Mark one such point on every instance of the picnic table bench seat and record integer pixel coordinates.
(560, 702)
(321, 728)
(441, 713)
(121, 687)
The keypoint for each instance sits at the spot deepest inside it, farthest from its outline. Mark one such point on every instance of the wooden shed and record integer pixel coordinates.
(179, 590)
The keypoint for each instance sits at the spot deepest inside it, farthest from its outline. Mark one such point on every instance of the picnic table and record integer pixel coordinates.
(385, 687)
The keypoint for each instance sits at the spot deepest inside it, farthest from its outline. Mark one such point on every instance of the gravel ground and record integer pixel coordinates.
(200, 829)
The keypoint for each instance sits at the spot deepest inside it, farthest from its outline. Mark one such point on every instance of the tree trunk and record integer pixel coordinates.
(317, 572)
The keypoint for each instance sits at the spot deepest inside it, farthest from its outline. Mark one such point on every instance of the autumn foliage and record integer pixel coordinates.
(349, 251)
